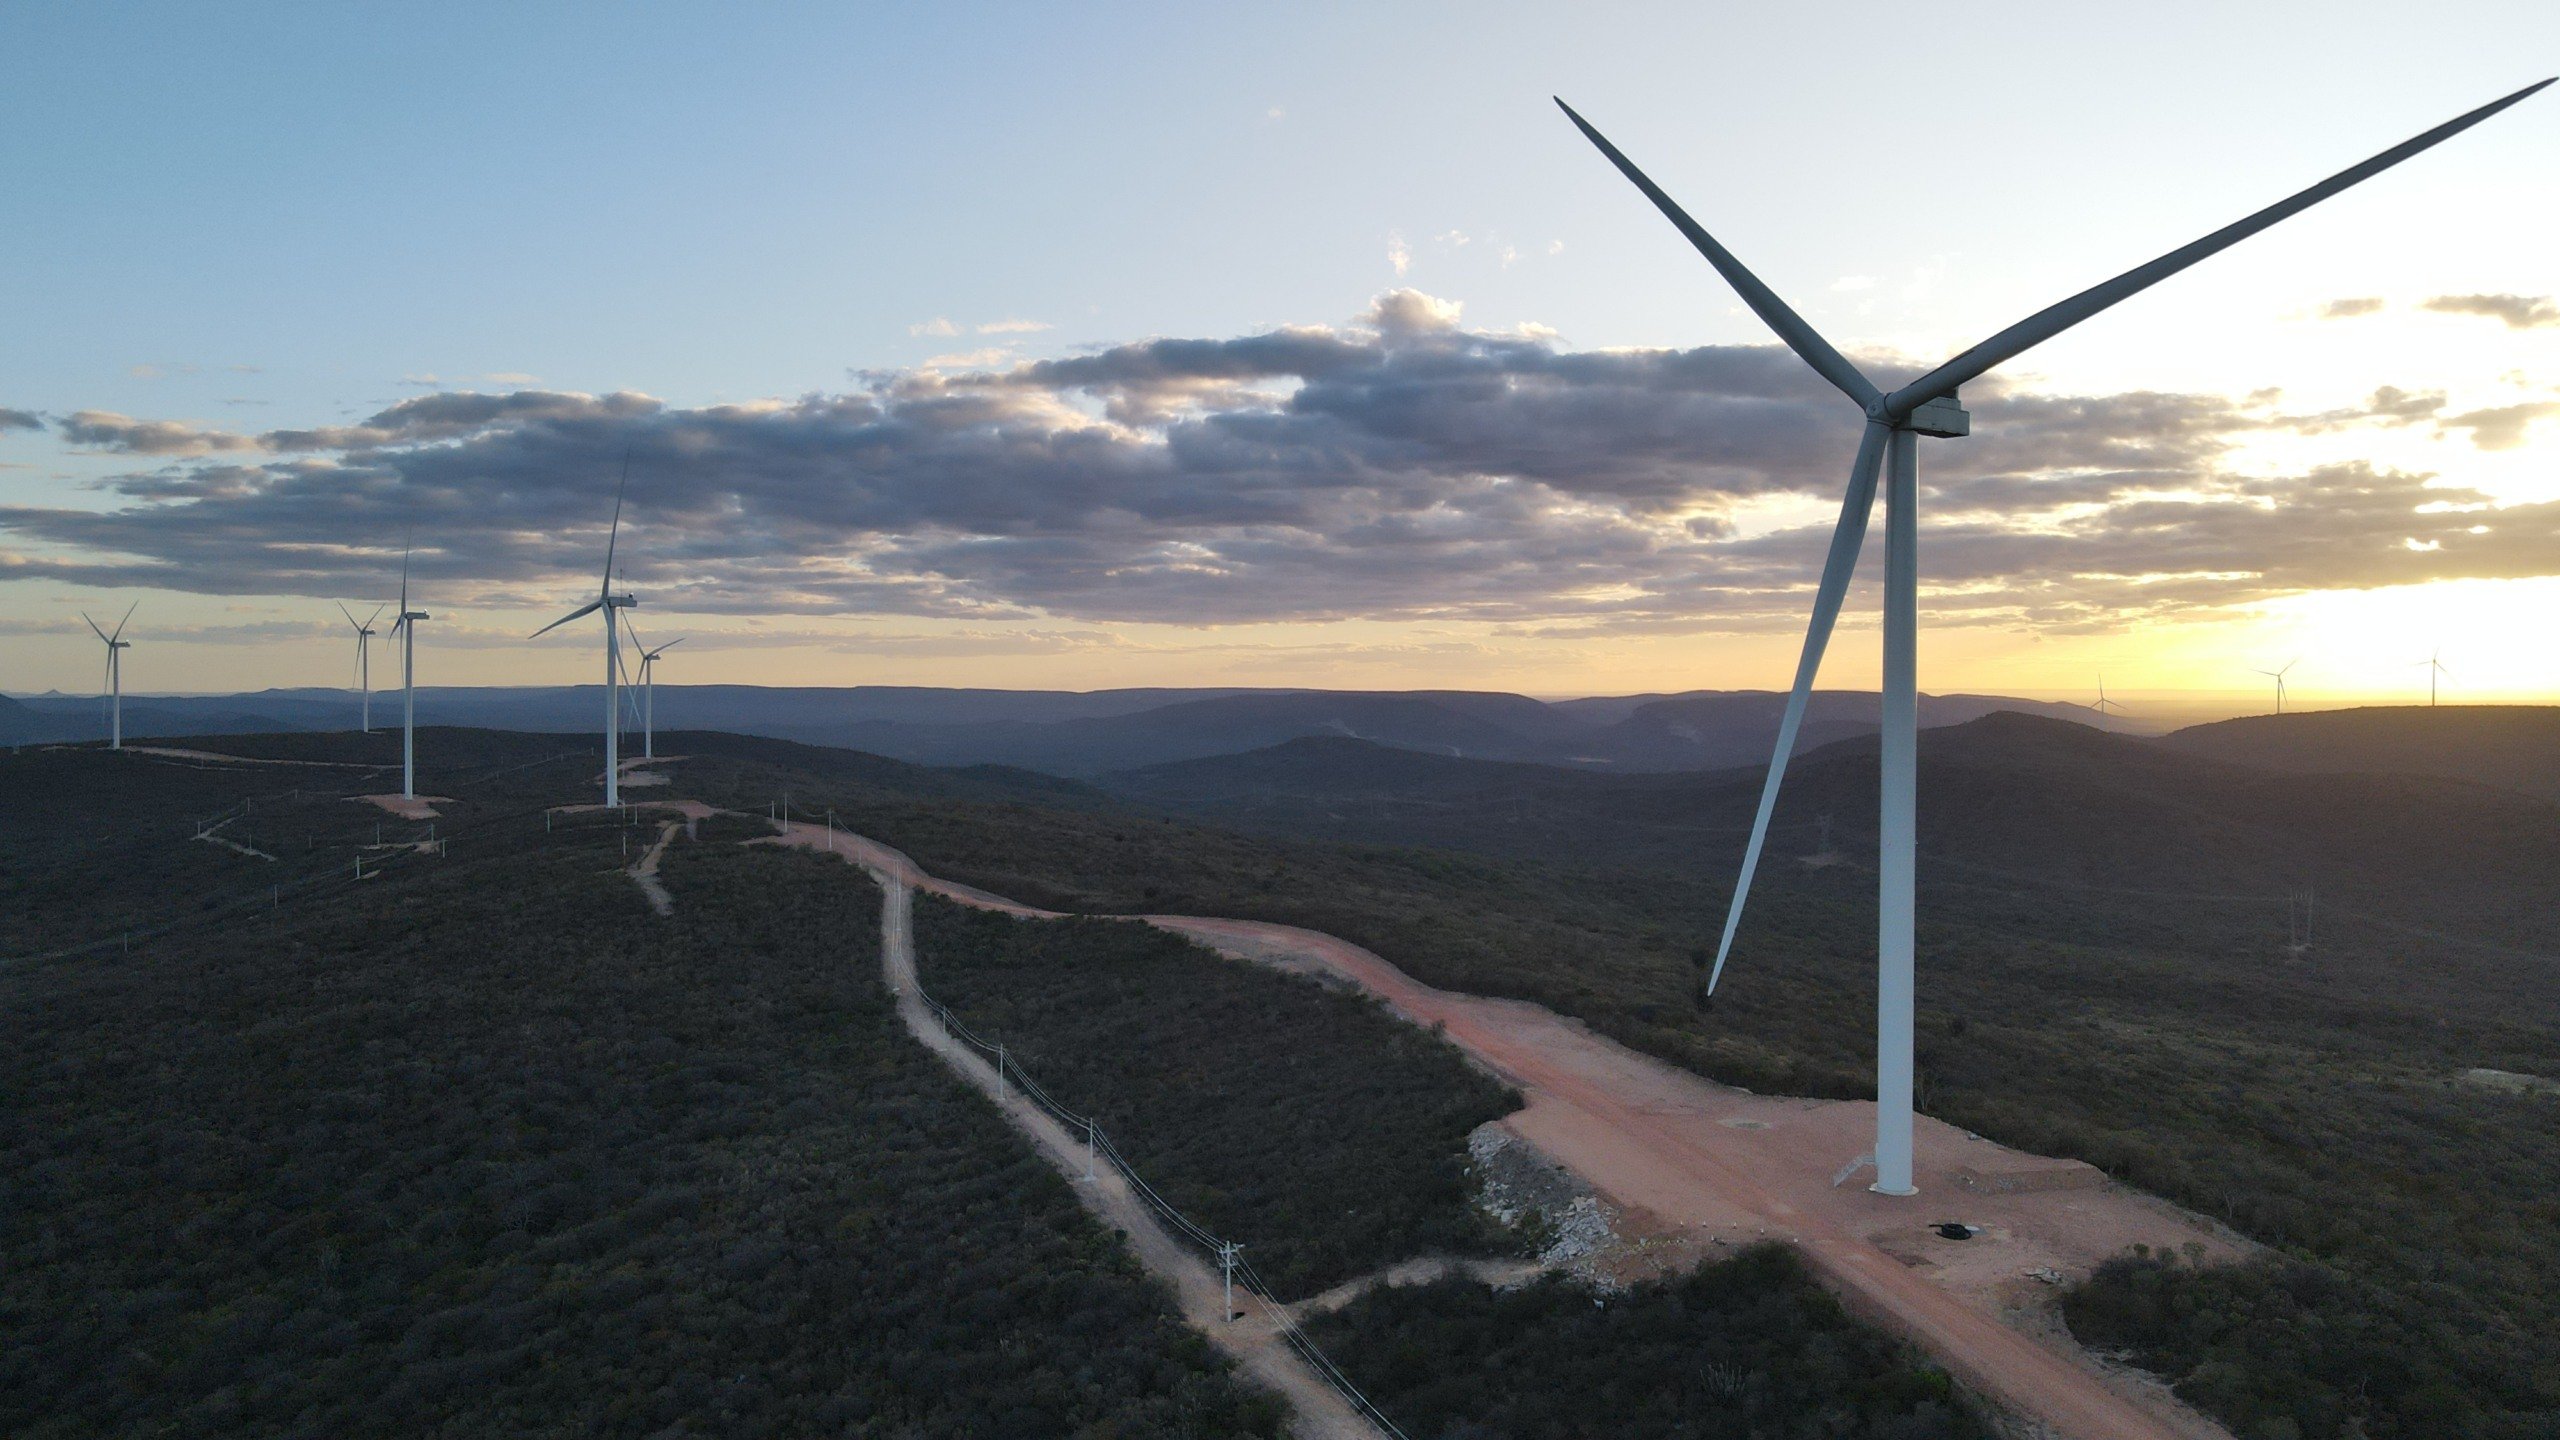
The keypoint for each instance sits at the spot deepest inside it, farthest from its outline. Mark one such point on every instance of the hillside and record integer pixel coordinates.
(2512, 747)
(2313, 1098)
(2008, 804)
(485, 1148)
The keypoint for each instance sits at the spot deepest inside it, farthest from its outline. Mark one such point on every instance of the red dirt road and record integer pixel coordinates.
(1710, 1160)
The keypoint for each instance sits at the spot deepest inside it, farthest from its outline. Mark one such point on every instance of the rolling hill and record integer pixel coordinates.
(2512, 747)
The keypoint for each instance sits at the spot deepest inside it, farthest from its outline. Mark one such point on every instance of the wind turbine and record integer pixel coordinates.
(2278, 677)
(608, 602)
(364, 656)
(2435, 669)
(648, 688)
(2104, 705)
(116, 646)
(1895, 420)
(406, 627)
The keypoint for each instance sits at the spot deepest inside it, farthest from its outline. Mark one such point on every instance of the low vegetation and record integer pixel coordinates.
(1746, 1346)
(2306, 1097)
(485, 1148)
(1328, 1136)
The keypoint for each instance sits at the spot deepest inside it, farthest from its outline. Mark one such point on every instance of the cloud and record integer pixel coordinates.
(20, 419)
(1397, 466)
(1399, 254)
(107, 430)
(937, 326)
(1013, 327)
(2503, 427)
(2351, 308)
(2521, 312)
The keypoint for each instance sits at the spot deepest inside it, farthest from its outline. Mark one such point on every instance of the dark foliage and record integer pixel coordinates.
(1746, 1347)
(2310, 1099)
(1308, 1123)
(487, 1149)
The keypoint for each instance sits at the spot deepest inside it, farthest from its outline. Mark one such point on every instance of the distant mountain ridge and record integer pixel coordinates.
(1089, 733)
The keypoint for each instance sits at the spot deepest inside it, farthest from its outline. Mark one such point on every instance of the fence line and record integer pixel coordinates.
(1220, 1250)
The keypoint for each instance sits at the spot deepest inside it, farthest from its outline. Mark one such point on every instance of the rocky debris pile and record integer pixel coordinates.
(1519, 1186)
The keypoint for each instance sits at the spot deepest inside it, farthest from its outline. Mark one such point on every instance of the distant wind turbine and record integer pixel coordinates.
(1895, 420)
(648, 688)
(114, 683)
(608, 602)
(2103, 705)
(2435, 668)
(2278, 677)
(364, 657)
(406, 627)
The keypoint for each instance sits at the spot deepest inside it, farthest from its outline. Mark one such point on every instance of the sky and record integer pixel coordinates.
(1089, 346)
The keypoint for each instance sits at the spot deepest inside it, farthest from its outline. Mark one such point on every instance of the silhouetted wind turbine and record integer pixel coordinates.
(406, 627)
(1895, 420)
(2435, 668)
(364, 657)
(2104, 705)
(114, 681)
(608, 602)
(2278, 677)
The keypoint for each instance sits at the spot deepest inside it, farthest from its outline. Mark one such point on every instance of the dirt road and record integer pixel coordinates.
(1721, 1164)
(1254, 1338)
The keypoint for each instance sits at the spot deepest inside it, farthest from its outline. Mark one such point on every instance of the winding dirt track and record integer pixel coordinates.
(1720, 1162)
(1252, 1337)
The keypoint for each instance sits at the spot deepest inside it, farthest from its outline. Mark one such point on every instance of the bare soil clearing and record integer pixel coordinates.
(175, 753)
(1699, 1165)
(408, 807)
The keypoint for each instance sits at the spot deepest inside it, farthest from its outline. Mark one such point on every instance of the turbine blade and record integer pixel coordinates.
(1837, 567)
(351, 616)
(128, 615)
(376, 615)
(589, 608)
(614, 536)
(670, 645)
(93, 626)
(404, 577)
(1800, 337)
(2054, 319)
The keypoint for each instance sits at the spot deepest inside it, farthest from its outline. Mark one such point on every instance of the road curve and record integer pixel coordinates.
(1252, 1338)
(1609, 1121)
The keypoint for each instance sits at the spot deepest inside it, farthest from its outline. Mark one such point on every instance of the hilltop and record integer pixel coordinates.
(2513, 747)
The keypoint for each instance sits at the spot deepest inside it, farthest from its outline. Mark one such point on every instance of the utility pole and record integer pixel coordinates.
(1000, 1066)
(1088, 1148)
(1227, 1250)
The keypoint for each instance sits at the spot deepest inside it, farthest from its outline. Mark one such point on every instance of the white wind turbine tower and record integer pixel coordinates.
(406, 627)
(364, 656)
(2435, 670)
(608, 602)
(116, 646)
(1895, 420)
(2278, 677)
(648, 688)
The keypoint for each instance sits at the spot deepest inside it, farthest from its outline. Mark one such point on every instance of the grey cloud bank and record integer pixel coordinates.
(1402, 467)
